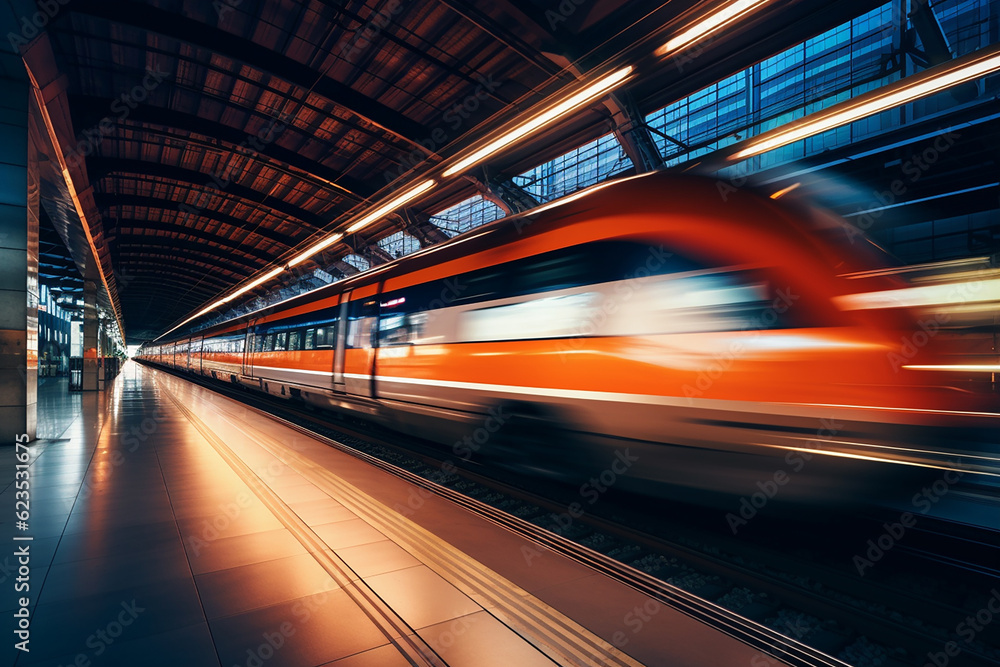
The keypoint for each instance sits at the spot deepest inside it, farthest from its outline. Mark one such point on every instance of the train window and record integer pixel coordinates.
(393, 330)
(408, 329)
(718, 301)
(565, 268)
(557, 270)
(310, 339)
(330, 339)
(483, 285)
(281, 342)
(258, 343)
(639, 260)
(547, 317)
(269, 343)
(362, 321)
(294, 341)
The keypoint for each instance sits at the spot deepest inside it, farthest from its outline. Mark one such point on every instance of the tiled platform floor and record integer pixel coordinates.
(173, 526)
(58, 407)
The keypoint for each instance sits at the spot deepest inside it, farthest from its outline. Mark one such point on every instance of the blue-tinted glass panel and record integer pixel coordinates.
(579, 168)
(467, 215)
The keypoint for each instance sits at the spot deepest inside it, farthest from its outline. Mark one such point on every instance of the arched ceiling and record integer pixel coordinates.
(218, 136)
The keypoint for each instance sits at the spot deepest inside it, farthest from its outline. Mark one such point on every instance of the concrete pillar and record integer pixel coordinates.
(18, 266)
(91, 344)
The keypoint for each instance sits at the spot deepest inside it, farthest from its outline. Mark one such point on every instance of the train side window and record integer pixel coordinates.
(361, 322)
(281, 342)
(632, 260)
(269, 343)
(568, 315)
(482, 285)
(258, 342)
(393, 330)
(562, 269)
(332, 332)
(310, 341)
(294, 341)
(710, 301)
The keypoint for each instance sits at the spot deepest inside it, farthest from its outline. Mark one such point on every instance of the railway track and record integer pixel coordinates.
(794, 597)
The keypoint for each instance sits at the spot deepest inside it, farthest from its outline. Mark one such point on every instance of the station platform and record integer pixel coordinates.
(58, 407)
(170, 525)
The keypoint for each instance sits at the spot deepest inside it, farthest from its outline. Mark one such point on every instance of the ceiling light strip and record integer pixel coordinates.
(709, 25)
(71, 187)
(372, 216)
(928, 82)
(589, 93)
(974, 368)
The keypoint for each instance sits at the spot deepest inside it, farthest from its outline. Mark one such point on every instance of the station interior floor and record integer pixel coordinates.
(171, 525)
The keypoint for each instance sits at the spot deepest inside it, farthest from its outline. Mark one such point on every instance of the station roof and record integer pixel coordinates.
(217, 137)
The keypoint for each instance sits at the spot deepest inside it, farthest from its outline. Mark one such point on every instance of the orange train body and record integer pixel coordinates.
(695, 325)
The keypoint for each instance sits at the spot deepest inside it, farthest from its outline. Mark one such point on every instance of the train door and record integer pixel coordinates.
(361, 329)
(338, 354)
(248, 348)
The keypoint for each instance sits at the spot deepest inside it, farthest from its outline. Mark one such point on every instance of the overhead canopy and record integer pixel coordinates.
(213, 138)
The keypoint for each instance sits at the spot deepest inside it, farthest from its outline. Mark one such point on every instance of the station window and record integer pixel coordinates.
(399, 244)
(579, 168)
(466, 215)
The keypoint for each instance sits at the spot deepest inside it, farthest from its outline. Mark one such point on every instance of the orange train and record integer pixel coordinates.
(703, 329)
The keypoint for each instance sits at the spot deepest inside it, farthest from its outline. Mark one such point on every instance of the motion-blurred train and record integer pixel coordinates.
(713, 333)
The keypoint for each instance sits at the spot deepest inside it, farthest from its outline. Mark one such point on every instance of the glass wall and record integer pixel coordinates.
(841, 63)
(54, 332)
(357, 261)
(849, 60)
(579, 168)
(399, 244)
(467, 215)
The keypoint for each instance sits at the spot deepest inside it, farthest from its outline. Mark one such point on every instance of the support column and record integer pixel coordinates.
(102, 354)
(631, 132)
(91, 323)
(18, 266)
(504, 192)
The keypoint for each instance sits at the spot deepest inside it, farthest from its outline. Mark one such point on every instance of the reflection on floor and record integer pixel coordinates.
(57, 407)
(172, 526)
